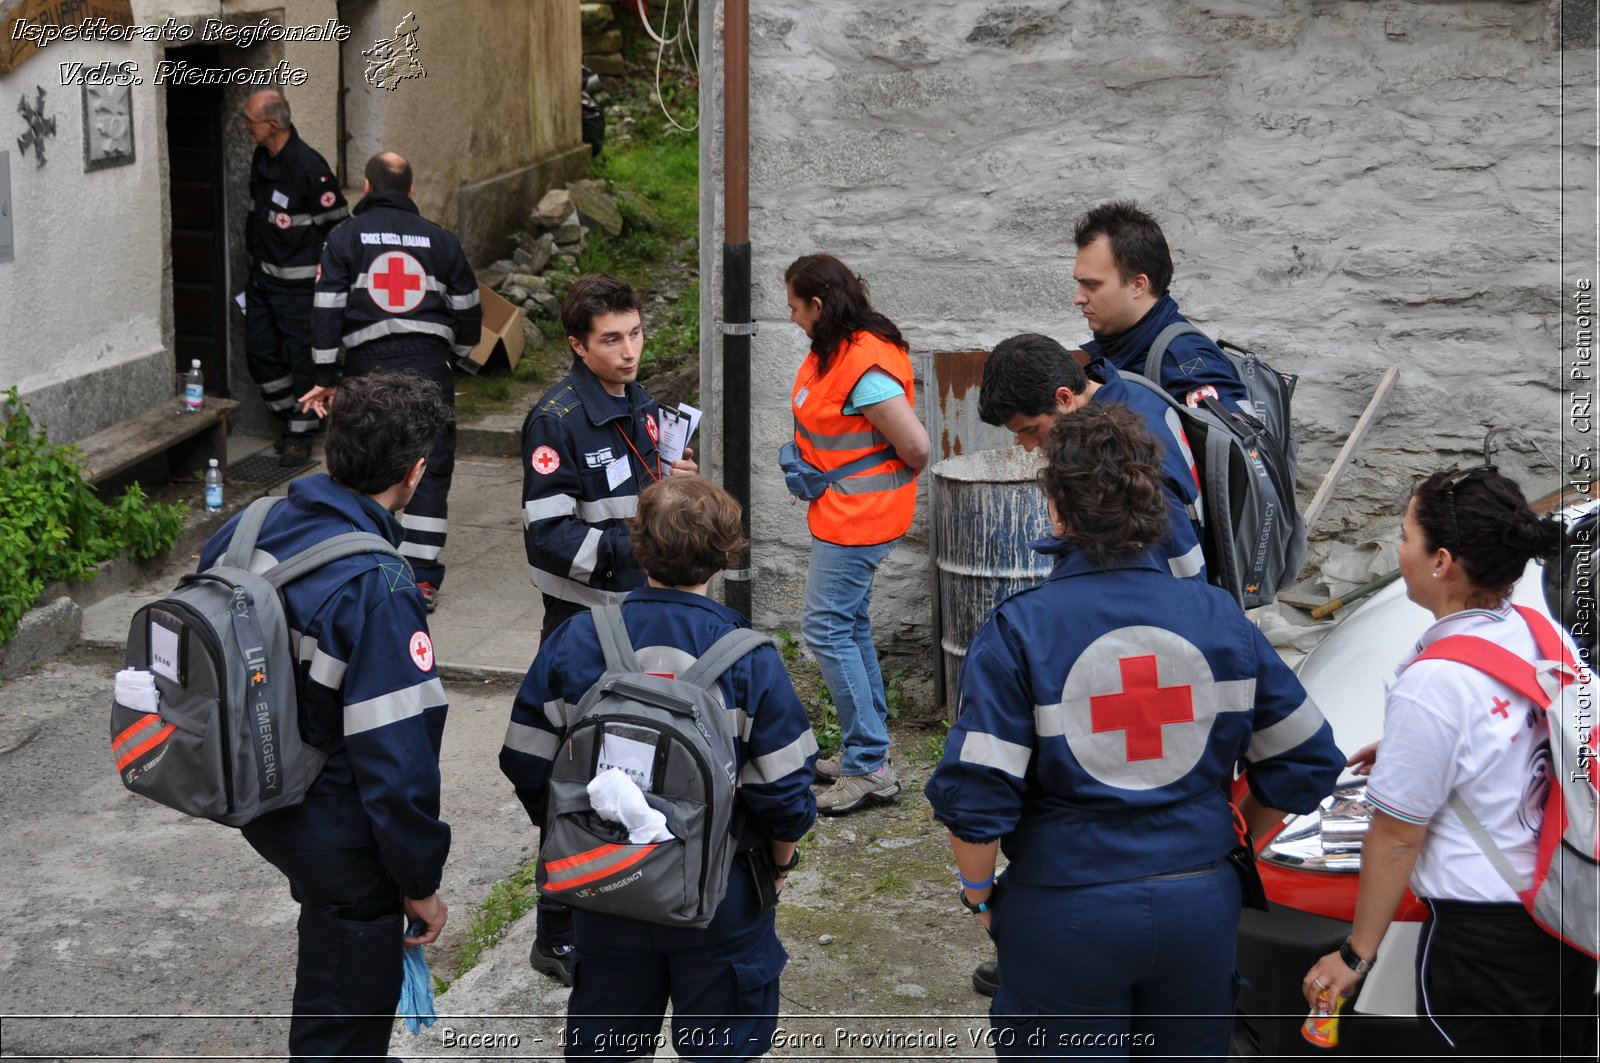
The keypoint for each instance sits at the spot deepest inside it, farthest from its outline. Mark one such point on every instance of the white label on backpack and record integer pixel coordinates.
(164, 651)
(629, 755)
(618, 472)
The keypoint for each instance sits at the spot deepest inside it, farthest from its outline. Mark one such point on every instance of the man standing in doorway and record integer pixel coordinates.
(399, 293)
(294, 203)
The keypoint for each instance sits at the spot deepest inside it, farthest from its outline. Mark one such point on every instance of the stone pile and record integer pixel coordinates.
(558, 231)
(602, 37)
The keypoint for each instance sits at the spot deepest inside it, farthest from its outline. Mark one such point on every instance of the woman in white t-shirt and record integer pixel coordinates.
(1489, 980)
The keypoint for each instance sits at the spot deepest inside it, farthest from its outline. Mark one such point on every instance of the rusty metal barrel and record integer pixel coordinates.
(987, 508)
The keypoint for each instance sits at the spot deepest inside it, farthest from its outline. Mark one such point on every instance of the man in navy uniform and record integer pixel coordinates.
(294, 203)
(366, 849)
(399, 293)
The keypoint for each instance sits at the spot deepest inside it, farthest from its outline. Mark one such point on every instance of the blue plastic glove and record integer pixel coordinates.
(416, 992)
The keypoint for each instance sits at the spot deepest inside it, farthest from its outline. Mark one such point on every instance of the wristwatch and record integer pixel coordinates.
(1347, 953)
(794, 862)
(976, 909)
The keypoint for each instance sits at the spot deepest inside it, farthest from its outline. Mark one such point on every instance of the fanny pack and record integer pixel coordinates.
(807, 482)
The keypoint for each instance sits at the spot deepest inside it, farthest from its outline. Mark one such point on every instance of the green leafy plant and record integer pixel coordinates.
(508, 901)
(55, 526)
(788, 645)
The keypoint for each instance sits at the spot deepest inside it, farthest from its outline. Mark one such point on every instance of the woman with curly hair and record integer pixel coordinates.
(1102, 716)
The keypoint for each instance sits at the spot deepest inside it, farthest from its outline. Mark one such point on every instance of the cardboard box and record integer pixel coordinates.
(502, 331)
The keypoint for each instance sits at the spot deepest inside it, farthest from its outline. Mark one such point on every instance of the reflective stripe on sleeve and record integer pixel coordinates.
(289, 273)
(532, 740)
(426, 524)
(1188, 564)
(771, 767)
(325, 355)
(587, 557)
(570, 590)
(985, 750)
(462, 302)
(546, 508)
(393, 707)
(1279, 738)
(331, 300)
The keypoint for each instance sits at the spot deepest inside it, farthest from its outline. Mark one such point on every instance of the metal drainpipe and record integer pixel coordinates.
(736, 326)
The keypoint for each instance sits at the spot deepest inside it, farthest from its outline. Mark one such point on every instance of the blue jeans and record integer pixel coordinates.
(837, 627)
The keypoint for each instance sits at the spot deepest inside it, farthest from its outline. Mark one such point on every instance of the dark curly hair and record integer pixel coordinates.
(686, 530)
(1104, 474)
(380, 424)
(846, 309)
(1482, 518)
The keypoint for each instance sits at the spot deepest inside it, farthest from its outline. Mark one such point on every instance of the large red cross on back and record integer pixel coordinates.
(397, 282)
(1142, 709)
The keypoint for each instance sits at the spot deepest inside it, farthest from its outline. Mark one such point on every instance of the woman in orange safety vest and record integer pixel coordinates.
(852, 398)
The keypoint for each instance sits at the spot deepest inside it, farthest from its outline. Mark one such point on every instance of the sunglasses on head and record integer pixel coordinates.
(1454, 480)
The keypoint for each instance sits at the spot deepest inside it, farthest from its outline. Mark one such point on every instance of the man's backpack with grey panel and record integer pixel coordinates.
(1254, 538)
(674, 739)
(224, 740)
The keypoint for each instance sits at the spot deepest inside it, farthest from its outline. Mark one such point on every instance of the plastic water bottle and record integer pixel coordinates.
(213, 488)
(194, 388)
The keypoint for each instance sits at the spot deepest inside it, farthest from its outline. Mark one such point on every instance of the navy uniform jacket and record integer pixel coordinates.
(575, 499)
(669, 630)
(392, 282)
(1101, 749)
(1180, 480)
(1192, 362)
(294, 203)
(367, 676)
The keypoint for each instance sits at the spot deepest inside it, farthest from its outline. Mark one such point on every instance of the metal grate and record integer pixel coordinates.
(263, 469)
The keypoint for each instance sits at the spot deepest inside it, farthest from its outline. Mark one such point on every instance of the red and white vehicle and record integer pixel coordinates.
(1310, 865)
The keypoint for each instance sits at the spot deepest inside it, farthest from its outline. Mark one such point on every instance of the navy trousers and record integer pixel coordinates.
(349, 968)
(722, 982)
(426, 518)
(1117, 970)
(277, 350)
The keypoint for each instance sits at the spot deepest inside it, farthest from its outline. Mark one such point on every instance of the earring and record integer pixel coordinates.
(1435, 575)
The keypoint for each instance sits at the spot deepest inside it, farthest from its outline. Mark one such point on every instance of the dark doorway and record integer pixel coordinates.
(195, 123)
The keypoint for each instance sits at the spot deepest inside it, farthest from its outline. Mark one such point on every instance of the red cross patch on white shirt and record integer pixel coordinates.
(421, 650)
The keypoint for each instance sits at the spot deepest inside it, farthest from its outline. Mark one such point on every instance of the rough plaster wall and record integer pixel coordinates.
(1346, 185)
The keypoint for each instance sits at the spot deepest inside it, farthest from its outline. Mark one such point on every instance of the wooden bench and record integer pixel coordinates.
(189, 440)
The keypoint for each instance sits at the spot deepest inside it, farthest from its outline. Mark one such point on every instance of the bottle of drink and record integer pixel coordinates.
(213, 488)
(194, 388)
(1321, 1027)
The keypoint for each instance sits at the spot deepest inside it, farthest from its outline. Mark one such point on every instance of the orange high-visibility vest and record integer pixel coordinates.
(874, 505)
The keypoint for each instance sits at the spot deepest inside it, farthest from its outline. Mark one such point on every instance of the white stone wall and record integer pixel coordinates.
(1345, 184)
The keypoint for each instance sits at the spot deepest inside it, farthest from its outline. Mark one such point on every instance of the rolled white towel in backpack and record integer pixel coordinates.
(616, 797)
(136, 690)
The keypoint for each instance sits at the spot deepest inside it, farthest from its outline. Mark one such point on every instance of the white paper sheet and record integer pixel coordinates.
(634, 758)
(164, 651)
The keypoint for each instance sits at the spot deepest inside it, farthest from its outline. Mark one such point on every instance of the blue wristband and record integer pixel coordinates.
(985, 884)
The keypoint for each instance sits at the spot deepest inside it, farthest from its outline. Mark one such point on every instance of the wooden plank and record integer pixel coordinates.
(1347, 452)
(126, 443)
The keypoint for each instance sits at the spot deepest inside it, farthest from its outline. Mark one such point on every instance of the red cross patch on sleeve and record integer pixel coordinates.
(328, 198)
(1199, 395)
(545, 460)
(421, 649)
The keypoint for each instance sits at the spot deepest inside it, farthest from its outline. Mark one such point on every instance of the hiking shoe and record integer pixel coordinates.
(552, 960)
(986, 978)
(294, 454)
(852, 792)
(430, 598)
(828, 768)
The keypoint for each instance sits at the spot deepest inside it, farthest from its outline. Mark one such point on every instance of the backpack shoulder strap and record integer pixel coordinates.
(613, 635)
(247, 531)
(1480, 835)
(1492, 660)
(1158, 349)
(1551, 645)
(1153, 386)
(722, 655)
(314, 557)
